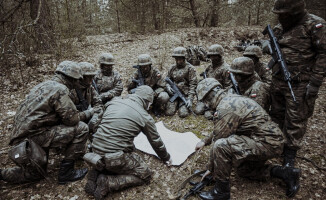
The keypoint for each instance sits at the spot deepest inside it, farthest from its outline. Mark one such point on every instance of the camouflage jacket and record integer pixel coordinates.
(265, 75)
(220, 73)
(153, 79)
(304, 49)
(48, 104)
(122, 121)
(185, 78)
(108, 86)
(242, 116)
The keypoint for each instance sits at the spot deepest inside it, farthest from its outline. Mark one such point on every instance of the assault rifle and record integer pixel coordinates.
(83, 104)
(140, 81)
(177, 93)
(95, 86)
(234, 83)
(277, 57)
(244, 44)
(203, 74)
(198, 186)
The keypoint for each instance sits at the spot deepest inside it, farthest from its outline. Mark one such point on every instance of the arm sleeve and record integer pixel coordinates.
(192, 82)
(118, 86)
(131, 84)
(155, 140)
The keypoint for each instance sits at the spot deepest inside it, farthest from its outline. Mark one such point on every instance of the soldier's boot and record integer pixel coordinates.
(290, 176)
(67, 173)
(157, 110)
(91, 181)
(108, 184)
(289, 157)
(221, 191)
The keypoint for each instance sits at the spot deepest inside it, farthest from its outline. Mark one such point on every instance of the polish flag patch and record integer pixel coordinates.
(253, 95)
(319, 25)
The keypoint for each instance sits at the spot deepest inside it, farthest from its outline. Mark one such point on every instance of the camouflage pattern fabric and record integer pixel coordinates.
(265, 75)
(108, 86)
(220, 73)
(177, 105)
(243, 133)
(154, 80)
(304, 49)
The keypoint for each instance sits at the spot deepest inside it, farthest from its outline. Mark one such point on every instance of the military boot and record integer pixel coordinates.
(157, 110)
(289, 157)
(290, 176)
(67, 173)
(91, 181)
(221, 191)
(109, 183)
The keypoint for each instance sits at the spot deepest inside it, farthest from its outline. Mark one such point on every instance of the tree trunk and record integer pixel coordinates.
(258, 12)
(118, 16)
(214, 14)
(194, 12)
(249, 17)
(155, 9)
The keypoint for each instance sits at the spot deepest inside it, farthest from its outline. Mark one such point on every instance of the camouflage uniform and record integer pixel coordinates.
(51, 120)
(122, 121)
(153, 79)
(244, 135)
(304, 49)
(250, 84)
(185, 78)
(109, 83)
(255, 53)
(219, 71)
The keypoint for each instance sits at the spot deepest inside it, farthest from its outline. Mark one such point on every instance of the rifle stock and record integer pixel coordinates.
(234, 83)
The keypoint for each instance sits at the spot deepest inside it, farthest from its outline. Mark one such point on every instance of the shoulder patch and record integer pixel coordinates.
(320, 25)
(253, 95)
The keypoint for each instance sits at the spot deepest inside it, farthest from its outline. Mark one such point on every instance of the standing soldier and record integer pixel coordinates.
(302, 39)
(183, 74)
(250, 84)
(153, 78)
(116, 165)
(255, 53)
(218, 70)
(244, 137)
(48, 119)
(86, 96)
(107, 82)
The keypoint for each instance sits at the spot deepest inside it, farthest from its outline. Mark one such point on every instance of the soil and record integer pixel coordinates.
(166, 180)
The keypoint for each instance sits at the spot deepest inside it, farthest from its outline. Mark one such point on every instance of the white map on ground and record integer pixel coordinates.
(179, 145)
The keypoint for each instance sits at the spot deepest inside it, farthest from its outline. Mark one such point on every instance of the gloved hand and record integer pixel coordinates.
(106, 96)
(169, 90)
(189, 103)
(311, 90)
(89, 113)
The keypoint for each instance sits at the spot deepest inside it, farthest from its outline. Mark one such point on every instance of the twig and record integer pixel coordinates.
(312, 162)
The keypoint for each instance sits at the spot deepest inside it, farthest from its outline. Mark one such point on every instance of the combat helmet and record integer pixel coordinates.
(145, 92)
(106, 58)
(70, 69)
(242, 65)
(144, 59)
(87, 68)
(253, 51)
(215, 49)
(179, 52)
(289, 6)
(205, 86)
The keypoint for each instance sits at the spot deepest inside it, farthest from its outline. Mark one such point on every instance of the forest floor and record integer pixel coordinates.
(126, 48)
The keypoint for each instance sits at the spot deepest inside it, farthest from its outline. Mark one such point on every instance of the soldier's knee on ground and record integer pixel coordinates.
(171, 108)
(208, 115)
(81, 133)
(200, 108)
(163, 98)
(220, 145)
(183, 112)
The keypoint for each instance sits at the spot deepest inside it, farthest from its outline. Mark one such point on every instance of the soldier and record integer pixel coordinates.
(85, 95)
(107, 82)
(48, 119)
(255, 53)
(250, 84)
(302, 39)
(218, 70)
(122, 121)
(183, 74)
(153, 78)
(244, 137)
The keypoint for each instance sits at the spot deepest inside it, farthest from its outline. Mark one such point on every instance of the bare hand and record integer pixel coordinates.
(200, 145)
(169, 163)
(206, 174)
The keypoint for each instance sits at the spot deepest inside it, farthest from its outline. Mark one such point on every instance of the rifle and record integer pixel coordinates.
(234, 83)
(177, 93)
(83, 104)
(140, 81)
(95, 86)
(203, 74)
(277, 57)
(198, 186)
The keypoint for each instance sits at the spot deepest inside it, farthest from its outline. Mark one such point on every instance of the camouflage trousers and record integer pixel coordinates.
(125, 170)
(245, 154)
(71, 139)
(161, 99)
(172, 107)
(201, 109)
(290, 116)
